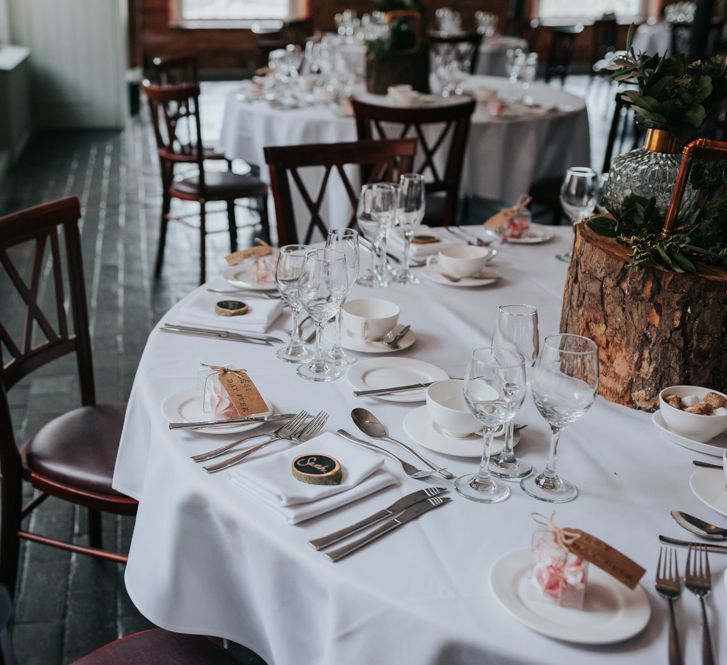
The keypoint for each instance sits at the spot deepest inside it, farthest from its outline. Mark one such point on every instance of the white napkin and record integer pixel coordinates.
(271, 479)
(200, 311)
(420, 252)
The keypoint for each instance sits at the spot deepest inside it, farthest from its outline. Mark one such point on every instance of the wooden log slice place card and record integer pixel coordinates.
(316, 469)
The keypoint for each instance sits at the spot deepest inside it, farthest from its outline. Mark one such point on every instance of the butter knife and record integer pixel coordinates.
(718, 549)
(222, 334)
(395, 389)
(417, 510)
(393, 509)
(706, 465)
(233, 421)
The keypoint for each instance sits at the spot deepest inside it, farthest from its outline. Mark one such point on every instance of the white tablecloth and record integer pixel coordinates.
(505, 156)
(653, 38)
(207, 558)
(492, 60)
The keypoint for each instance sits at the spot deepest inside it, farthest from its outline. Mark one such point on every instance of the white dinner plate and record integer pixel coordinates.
(536, 234)
(715, 447)
(242, 277)
(710, 487)
(348, 341)
(433, 273)
(419, 427)
(389, 372)
(611, 613)
(186, 406)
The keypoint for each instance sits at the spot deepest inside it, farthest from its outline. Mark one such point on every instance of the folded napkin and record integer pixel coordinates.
(200, 311)
(270, 478)
(420, 252)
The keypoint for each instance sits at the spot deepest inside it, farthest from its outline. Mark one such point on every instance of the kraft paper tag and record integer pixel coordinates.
(242, 392)
(251, 252)
(607, 558)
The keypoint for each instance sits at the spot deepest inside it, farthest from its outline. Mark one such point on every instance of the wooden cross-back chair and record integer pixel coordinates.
(465, 47)
(377, 160)
(73, 456)
(177, 129)
(451, 125)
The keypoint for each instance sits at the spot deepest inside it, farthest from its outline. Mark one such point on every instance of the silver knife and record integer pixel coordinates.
(395, 389)
(409, 514)
(393, 509)
(174, 331)
(233, 421)
(222, 334)
(706, 465)
(718, 549)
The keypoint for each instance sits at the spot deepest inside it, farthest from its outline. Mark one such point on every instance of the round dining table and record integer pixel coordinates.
(506, 153)
(209, 557)
(492, 58)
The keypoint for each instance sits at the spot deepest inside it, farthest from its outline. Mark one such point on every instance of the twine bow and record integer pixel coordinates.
(561, 537)
(217, 370)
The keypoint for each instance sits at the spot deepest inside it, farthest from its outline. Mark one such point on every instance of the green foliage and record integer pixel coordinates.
(671, 93)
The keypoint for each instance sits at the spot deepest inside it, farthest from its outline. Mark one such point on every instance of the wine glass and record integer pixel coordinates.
(346, 241)
(375, 215)
(409, 214)
(322, 288)
(516, 329)
(494, 389)
(578, 196)
(564, 385)
(288, 269)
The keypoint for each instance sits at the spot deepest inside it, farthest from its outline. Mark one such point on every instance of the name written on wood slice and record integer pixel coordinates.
(243, 392)
(607, 558)
(317, 469)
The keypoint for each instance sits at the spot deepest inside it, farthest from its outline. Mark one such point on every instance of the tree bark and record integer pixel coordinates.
(654, 328)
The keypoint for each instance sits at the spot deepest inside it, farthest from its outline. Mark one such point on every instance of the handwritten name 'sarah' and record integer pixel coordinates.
(313, 463)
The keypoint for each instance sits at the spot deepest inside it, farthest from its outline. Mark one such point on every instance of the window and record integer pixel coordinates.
(592, 9)
(235, 10)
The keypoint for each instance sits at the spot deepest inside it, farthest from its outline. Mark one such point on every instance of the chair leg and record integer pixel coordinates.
(9, 540)
(166, 208)
(264, 219)
(232, 224)
(202, 243)
(94, 528)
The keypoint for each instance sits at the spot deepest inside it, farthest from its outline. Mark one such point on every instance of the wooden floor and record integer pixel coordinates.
(69, 605)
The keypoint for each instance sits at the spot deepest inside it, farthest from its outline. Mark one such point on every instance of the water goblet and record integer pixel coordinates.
(564, 384)
(346, 241)
(516, 328)
(375, 215)
(494, 389)
(322, 288)
(409, 214)
(288, 269)
(578, 196)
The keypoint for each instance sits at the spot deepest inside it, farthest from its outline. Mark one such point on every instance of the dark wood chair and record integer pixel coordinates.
(295, 31)
(147, 646)
(377, 160)
(466, 47)
(560, 52)
(604, 40)
(450, 122)
(176, 121)
(73, 456)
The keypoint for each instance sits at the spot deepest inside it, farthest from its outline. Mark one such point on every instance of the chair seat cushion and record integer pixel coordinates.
(79, 448)
(221, 185)
(159, 647)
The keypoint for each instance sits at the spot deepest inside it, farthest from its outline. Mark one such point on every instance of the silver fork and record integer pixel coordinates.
(211, 454)
(285, 432)
(669, 586)
(698, 580)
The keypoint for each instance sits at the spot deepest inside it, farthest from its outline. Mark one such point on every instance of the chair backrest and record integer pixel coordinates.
(174, 71)
(378, 160)
(437, 128)
(175, 118)
(464, 47)
(623, 134)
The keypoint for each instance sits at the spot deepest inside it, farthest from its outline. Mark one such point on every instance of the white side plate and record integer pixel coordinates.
(715, 447)
(390, 372)
(710, 487)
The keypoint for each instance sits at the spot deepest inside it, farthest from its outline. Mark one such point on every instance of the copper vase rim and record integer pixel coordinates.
(660, 140)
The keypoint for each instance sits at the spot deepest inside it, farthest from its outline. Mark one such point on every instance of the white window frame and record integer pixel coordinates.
(296, 9)
(577, 15)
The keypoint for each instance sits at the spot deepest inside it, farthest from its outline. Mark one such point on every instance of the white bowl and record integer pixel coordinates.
(462, 260)
(692, 425)
(448, 409)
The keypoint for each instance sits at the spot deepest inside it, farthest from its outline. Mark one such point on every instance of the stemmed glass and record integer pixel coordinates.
(345, 241)
(375, 215)
(564, 385)
(494, 389)
(516, 329)
(322, 288)
(578, 196)
(409, 214)
(288, 269)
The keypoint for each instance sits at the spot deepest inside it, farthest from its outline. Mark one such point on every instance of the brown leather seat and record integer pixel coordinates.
(79, 448)
(220, 185)
(159, 647)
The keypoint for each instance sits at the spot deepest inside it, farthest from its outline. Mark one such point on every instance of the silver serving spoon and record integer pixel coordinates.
(699, 527)
(393, 338)
(370, 425)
